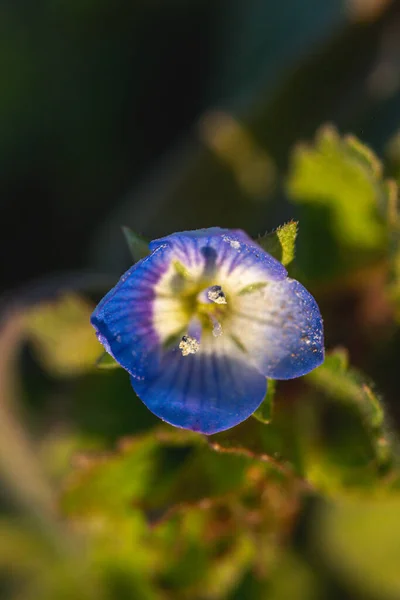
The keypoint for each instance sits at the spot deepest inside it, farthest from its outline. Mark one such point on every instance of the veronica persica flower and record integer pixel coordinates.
(201, 323)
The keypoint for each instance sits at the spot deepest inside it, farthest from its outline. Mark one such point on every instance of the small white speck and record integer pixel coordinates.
(189, 345)
(118, 339)
(234, 243)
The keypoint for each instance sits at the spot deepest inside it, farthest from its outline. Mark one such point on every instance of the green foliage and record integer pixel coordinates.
(281, 243)
(346, 177)
(347, 385)
(62, 337)
(110, 483)
(393, 221)
(363, 454)
(160, 499)
(264, 411)
(339, 183)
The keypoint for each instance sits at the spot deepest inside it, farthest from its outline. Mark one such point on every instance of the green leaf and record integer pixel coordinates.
(347, 385)
(343, 203)
(106, 361)
(62, 336)
(281, 242)
(345, 176)
(106, 484)
(264, 411)
(393, 221)
(275, 444)
(138, 246)
(156, 472)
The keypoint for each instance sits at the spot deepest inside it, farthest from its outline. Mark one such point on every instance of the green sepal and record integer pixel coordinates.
(105, 361)
(264, 411)
(138, 246)
(281, 243)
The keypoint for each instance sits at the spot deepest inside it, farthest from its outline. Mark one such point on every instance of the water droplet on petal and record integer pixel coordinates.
(216, 294)
(217, 329)
(233, 243)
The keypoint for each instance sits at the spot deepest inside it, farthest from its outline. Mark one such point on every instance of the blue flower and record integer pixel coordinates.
(201, 323)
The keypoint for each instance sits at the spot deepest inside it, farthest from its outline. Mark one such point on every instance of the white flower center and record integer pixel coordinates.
(207, 311)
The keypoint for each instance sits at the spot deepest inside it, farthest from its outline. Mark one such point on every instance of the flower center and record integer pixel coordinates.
(207, 310)
(216, 294)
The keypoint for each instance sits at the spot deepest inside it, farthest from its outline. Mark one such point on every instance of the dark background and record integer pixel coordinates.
(100, 104)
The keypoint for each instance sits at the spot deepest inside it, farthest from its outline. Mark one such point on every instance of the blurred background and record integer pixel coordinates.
(164, 115)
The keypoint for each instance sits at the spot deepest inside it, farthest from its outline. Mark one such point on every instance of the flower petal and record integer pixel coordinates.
(223, 252)
(124, 320)
(280, 329)
(207, 392)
